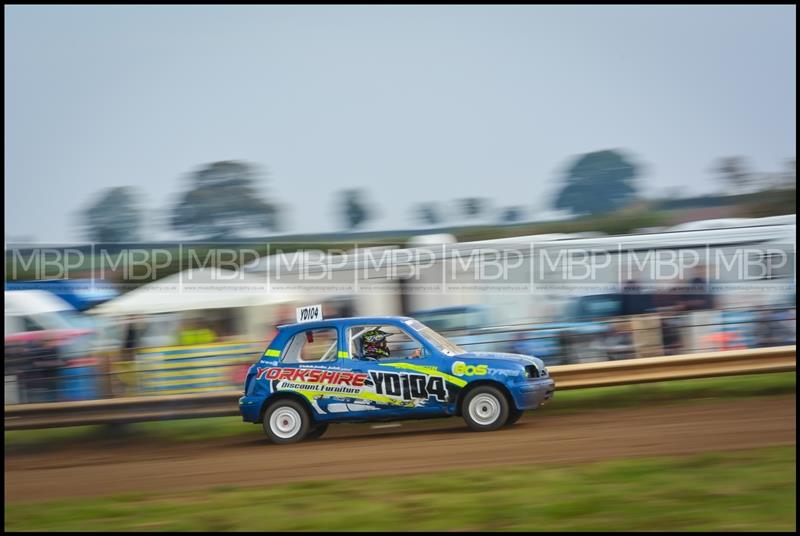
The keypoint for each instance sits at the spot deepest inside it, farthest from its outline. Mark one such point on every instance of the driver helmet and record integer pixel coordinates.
(373, 343)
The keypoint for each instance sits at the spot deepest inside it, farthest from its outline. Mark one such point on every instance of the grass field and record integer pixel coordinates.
(737, 491)
(683, 391)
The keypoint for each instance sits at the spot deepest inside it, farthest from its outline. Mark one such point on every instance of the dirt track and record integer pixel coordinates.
(361, 451)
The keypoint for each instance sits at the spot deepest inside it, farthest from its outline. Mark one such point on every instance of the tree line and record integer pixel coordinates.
(225, 200)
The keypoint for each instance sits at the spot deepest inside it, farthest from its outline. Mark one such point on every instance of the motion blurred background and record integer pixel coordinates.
(582, 184)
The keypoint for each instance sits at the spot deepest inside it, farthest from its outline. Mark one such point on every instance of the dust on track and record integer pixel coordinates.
(360, 451)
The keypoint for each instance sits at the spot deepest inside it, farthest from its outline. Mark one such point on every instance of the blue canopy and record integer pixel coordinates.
(82, 294)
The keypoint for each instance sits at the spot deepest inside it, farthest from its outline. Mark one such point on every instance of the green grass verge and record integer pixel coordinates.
(674, 391)
(565, 401)
(735, 491)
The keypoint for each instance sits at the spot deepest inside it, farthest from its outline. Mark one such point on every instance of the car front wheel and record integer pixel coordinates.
(485, 408)
(286, 421)
(514, 415)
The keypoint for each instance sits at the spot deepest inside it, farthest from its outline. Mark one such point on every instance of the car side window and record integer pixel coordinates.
(398, 343)
(312, 346)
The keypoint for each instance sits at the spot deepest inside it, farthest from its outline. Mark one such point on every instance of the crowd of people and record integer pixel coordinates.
(46, 367)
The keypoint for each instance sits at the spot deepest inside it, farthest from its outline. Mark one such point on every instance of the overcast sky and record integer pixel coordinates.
(411, 103)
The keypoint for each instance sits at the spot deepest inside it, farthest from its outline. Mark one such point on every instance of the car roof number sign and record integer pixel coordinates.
(309, 313)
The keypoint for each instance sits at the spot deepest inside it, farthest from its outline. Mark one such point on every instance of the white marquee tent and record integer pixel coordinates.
(206, 288)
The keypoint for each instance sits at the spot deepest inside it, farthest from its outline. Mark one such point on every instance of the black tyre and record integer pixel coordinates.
(514, 415)
(485, 408)
(286, 421)
(316, 431)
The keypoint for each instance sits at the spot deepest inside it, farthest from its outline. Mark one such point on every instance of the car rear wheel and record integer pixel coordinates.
(485, 408)
(286, 421)
(317, 431)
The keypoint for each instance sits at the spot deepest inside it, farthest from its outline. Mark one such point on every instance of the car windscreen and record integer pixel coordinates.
(439, 341)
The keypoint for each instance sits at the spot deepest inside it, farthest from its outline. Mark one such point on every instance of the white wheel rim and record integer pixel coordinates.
(484, 409)
(285, 422)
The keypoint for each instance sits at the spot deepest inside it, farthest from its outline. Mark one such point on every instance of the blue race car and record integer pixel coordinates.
(317, 372)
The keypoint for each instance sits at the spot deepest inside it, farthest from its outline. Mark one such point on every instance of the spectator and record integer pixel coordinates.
(698, 296)
(195, 334)
(724, 340)
(565, 348)
(122, 377)
(634, 301)
(670, 306)
(132, 338)
(43, 377)
(774, 328)
(18, 363)
(619, 342)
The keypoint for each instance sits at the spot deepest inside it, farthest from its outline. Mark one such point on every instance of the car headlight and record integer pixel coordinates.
(532, 371)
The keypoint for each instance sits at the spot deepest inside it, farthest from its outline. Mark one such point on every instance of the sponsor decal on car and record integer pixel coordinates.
(409, 386)
(504, 372)
(462, 369)
(322, 376)
(390, 388)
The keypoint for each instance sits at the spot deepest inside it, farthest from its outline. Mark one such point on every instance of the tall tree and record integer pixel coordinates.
(511, 215)
(735, 172)
(598, 182)
(222, 200)
(354, 211)
(428, 213)
(472, 207)
(114, 217)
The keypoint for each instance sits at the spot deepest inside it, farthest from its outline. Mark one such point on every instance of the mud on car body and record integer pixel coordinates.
(315, 373)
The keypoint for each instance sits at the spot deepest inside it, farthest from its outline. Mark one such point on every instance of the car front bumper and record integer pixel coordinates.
(533, 393)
